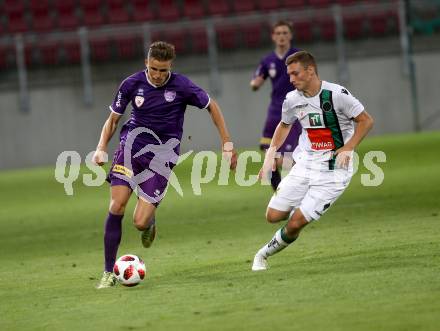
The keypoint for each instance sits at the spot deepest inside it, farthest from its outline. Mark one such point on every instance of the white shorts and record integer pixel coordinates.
(312, 191)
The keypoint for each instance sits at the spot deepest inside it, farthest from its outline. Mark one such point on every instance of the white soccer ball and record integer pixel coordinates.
(129, 270)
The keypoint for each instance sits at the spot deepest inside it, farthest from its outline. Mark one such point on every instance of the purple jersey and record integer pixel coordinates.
(150, 139)
(159, 109)
(274, 67)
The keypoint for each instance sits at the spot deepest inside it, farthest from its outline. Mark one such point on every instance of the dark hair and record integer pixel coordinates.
(305, 58)
(282, 23)
(162, 51)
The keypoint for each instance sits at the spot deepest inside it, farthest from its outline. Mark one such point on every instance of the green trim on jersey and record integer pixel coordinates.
(331, 122)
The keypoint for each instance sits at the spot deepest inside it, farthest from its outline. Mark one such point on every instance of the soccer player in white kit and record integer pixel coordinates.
(323, 158)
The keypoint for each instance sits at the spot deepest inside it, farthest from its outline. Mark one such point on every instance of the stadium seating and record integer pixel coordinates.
(353, 26)
(227, 36)
(252, 34)
(193, 9)
(218, 7)
(243, 6)
(117, 12)
(42, 16)
(168, 10)
(71, 51)
(142, 11)
(199, 40)
(302, 31)
(266, 5)
(66, 14)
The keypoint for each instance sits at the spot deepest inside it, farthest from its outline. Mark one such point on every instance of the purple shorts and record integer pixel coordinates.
(291, 141)
(140, 175)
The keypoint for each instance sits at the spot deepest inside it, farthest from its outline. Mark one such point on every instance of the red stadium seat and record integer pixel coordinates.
(327, 28)
(296, 4)
(17, 22)
(168, 10)
(67, 18)
(117, 12)
(41, 16)
(100, 49)
(92, 14)
(128, 47)
(320, 3)
(193, 9)
(302, 31)
(48, 53)
(252, 35)
(227, 36)
(218, 7)
(13, 6)
(199, 40)
(72, 51)
(243, 6)
(266, 5)
(177, 38)
(378, 24)
(353, 26)
(7, 57)
(345, 2)
(142, 11)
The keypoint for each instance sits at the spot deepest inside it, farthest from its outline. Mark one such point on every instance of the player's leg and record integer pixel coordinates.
(144, 220)
(120, 194)
(291, 191)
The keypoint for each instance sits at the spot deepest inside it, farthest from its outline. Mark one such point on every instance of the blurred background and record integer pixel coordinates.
(61, 63)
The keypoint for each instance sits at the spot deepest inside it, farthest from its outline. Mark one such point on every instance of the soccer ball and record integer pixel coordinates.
(129, 270)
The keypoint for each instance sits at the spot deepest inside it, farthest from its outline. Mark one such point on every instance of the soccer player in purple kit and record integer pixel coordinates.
(149, 144)
(273, 66)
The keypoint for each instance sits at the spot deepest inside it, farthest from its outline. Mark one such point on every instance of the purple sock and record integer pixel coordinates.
(112, 238)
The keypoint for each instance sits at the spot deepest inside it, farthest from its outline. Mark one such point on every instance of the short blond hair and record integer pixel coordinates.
(162, 51)
(305, 58)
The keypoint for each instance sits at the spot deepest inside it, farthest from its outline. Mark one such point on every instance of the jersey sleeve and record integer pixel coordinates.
(122, 97)
(262, 70)
(197, 96)
(288, 115)
(350, 106)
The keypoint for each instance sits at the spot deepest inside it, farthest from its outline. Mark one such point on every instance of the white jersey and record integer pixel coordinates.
(327, 122)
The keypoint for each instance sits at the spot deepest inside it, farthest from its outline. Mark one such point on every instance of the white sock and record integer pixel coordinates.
(274, 246)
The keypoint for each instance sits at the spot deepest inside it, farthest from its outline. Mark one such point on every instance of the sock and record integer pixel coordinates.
(275, 179)
(112, 238)
(277, 244)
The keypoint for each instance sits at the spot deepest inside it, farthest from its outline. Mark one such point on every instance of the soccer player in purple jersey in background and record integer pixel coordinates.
(273, 66)
(149, 144)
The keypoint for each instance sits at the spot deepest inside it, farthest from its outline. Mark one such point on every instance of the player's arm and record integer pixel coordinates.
(279, 136)
(107, 132)
(256, 83)
(219, 121)
(364, 123)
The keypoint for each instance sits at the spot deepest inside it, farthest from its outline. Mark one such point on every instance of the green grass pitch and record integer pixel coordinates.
(371, 263)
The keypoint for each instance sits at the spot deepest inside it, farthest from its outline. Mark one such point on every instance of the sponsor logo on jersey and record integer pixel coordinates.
(315, 119)
(345, 91)
(118, 101)
(321, 139)
(327, 106)
(139, 101)
(169, 95)
(122, 170)
(140, 91)
(272, 70)
(301, 106)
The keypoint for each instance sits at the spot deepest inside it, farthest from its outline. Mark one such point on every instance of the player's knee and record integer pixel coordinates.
(141, 222)
(117, 207)
(273, 216)
(294, 227)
